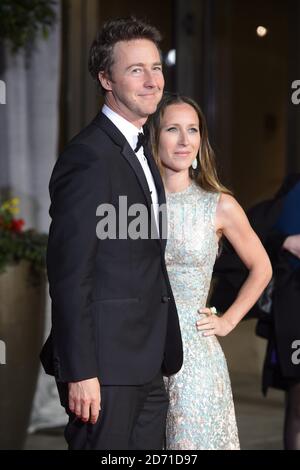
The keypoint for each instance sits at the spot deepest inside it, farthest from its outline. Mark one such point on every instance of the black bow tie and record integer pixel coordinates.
(140, 142)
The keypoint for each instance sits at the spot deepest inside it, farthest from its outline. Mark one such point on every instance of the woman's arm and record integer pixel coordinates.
(232, 221)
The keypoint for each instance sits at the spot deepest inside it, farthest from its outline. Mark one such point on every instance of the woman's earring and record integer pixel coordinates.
(195, 162)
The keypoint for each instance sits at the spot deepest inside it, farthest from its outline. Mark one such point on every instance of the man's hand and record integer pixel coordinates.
(292, 244)
(85, 399)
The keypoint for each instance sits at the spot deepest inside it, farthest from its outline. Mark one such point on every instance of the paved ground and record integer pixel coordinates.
(260, 419)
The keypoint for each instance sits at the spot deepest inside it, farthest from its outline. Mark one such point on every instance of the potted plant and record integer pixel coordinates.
(22, 305)
(21, 21)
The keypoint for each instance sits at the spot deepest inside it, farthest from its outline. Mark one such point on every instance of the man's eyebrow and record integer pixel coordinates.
(141, 64)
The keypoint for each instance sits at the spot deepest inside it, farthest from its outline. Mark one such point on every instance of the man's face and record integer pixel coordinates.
(136, 84)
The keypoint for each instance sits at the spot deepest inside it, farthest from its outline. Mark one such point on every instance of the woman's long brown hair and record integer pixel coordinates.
(206, 174)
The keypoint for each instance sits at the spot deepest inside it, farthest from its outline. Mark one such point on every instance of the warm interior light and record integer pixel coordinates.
(261, 31)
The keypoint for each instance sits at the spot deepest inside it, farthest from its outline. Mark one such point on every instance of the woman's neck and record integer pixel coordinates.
(176, 182)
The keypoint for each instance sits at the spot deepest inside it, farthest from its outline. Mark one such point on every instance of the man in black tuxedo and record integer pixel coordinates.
(115, 329)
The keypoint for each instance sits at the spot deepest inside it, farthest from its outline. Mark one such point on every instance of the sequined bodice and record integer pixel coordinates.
(192, 243)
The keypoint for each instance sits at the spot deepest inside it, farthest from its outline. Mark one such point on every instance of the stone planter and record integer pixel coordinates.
(22, 306)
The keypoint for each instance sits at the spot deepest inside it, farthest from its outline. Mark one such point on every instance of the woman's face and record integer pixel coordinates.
(179, 138)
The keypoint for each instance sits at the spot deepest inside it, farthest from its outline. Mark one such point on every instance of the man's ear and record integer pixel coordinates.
(105, 80)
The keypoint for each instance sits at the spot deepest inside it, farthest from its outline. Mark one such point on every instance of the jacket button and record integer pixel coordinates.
(165, 299)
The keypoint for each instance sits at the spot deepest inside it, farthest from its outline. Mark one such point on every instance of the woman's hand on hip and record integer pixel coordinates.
(212, 324)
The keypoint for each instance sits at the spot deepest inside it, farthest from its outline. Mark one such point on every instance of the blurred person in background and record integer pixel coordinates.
(277, 223)
(282, 326)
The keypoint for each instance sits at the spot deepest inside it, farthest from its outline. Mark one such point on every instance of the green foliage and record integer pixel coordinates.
(21, 21)
(28, 245)
(17, 244)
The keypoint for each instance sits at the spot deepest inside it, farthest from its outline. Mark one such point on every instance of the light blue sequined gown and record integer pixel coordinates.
(201, 412)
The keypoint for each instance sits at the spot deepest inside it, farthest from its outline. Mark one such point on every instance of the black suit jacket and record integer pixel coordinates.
(113, 312)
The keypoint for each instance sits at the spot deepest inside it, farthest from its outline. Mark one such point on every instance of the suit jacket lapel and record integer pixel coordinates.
(131, 157)
(161, 196)
(109, 128)
(156, 175)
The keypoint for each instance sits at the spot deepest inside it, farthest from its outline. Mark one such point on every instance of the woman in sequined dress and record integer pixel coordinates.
(200, 211)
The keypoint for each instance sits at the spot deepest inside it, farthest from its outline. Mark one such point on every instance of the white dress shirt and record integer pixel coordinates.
(130, 132)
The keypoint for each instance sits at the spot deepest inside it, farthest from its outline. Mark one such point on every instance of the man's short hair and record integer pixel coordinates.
(122, 29)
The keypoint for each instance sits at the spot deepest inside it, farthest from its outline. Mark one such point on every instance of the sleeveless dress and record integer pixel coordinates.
(201, 412)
